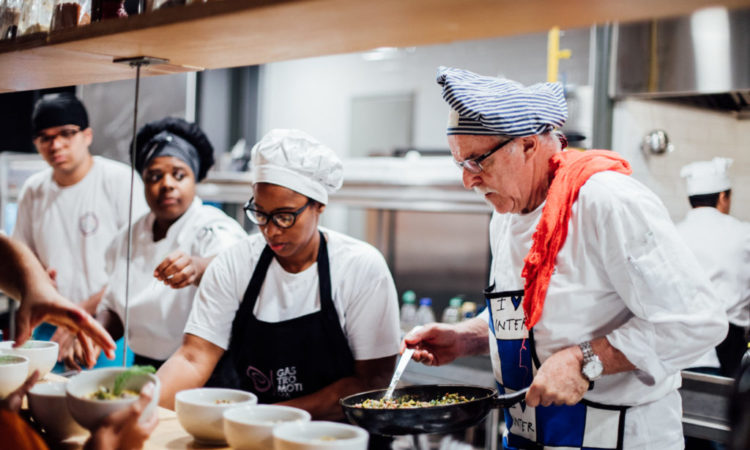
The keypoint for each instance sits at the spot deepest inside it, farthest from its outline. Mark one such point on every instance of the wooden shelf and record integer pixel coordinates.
(234, 33)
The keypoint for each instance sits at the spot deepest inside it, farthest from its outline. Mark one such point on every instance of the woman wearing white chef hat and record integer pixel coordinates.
(172, 244)
(298, 313)
(722, 245)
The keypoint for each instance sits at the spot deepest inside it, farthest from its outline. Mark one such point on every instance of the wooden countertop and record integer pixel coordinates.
(234, 33)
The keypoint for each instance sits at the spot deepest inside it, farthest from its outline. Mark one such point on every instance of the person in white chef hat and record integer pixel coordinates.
(722, 245)
(297, 314)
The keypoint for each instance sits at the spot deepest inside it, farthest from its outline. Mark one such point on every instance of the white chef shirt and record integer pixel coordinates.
(69, 228)
(722, 246)
(363, 292)
(158, 312)
(623, 273)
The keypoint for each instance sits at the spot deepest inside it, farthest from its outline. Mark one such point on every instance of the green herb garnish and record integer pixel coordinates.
(125, 376)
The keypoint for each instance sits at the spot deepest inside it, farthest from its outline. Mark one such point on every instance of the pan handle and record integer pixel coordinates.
(507, 400)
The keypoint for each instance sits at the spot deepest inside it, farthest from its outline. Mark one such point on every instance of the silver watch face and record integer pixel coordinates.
(593, 369)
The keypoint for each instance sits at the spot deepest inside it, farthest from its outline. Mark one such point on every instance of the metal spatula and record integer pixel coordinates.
(402, 362)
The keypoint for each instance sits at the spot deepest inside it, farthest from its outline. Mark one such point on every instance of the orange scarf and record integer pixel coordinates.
(17, 434)
(569, 170)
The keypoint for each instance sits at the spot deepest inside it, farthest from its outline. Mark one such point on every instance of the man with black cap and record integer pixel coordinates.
(722, 245)
(594, 303)
(69, 213)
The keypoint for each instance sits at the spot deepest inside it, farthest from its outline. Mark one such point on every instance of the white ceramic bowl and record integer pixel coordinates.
(200, 411)
(42, 354)
(318, 436)
(13, 372)
(88, 412)
(49, 408)
(250, 427)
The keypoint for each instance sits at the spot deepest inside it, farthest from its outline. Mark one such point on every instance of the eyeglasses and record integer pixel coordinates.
(66, 134)
(474, 165)
(284, 219)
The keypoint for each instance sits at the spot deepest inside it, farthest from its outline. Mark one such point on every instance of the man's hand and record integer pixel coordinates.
(14, 400)
(438, 343)
(559, 380)
(79, 352)
(121, 429)
(179, 270)
(24, 278)
(49, 306)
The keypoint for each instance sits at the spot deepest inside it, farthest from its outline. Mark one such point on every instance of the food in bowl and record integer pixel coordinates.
(90, 412)
(118, 392)
(200, 411)
(409, 402)
(104, 393)
(13, 372)
(251, 427)
(42, 354)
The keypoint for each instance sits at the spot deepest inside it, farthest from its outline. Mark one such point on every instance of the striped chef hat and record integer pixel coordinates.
(496, 106)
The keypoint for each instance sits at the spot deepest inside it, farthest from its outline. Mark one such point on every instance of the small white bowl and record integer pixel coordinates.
(89, 412)
(200, 411)
(250, 427)
(318, 436)
(42, 354)
(49, 408)
(13, 372)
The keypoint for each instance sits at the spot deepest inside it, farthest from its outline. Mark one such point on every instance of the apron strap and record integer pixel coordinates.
(251, 294)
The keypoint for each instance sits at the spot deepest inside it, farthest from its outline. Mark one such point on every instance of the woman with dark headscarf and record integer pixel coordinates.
(172, 244)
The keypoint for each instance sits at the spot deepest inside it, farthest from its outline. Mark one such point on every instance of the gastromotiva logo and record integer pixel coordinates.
(286, 381)
(261, 382)
(88, 223)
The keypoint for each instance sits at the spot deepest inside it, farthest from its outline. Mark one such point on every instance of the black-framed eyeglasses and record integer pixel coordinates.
(283, 219)
(474, 165)
(66, 134)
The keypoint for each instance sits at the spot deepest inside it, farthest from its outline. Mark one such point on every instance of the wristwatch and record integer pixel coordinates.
(592, 367)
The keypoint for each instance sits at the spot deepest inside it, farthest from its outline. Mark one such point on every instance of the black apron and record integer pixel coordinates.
(284, 360)
(731, 350)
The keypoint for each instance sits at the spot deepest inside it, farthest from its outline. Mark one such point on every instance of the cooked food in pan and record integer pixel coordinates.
(408, 402)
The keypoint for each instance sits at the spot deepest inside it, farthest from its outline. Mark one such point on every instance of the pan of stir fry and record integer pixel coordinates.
(435, 408)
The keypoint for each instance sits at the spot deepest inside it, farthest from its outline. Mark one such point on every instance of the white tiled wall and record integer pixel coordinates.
(697, 134)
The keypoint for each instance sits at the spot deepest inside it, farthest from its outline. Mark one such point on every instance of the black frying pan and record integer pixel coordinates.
(434, 419)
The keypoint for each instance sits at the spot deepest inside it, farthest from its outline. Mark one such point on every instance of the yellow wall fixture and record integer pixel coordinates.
(554, 54)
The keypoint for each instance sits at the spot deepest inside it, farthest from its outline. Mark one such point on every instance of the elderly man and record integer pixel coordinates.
(722, 245)
(589, 279)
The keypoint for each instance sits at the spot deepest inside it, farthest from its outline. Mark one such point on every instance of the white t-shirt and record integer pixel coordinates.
(623, 273)
(158, 312)
(69, 228)
(362, 288)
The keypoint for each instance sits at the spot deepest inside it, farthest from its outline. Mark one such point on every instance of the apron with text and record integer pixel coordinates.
(586, 425)
(279, 361)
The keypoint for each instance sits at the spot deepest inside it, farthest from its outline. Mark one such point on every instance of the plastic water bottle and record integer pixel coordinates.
(424, 312)
(468, 310)
(452, 314)
(408, 311)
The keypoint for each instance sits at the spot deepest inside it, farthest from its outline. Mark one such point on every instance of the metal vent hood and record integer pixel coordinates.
(699, 60)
